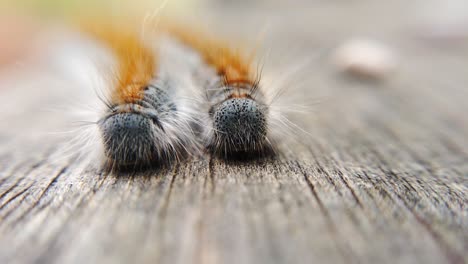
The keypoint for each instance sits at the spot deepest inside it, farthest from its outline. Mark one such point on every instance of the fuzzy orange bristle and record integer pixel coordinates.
(229, 63)
(136, 62)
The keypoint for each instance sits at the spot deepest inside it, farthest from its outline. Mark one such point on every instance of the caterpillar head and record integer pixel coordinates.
(129, 138)
(240, 127)
(141, 133)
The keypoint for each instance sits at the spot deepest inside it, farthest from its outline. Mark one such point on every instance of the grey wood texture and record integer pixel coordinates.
(382, 176)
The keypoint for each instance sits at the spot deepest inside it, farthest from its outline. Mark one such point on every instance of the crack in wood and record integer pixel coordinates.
(342, 249)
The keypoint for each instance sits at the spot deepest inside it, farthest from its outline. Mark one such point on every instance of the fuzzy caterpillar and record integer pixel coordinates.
(237, 119)
(145, 121)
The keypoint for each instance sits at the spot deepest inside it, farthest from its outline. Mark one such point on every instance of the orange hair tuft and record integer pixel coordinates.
(136, 62)
(228, 62)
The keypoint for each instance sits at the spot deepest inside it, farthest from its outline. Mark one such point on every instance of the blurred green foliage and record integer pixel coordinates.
(65, 7)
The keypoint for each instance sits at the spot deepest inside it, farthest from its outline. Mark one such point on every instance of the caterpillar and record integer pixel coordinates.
(237, 115)
(145, 121)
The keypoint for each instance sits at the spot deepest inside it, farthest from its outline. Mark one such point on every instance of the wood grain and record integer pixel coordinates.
(381, 176)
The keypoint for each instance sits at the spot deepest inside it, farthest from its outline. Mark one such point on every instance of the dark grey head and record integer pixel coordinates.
(240, 126)
(128, 138)
(134, 135)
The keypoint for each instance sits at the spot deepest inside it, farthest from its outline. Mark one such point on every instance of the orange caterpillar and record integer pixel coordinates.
(237, 120)
(145, 122)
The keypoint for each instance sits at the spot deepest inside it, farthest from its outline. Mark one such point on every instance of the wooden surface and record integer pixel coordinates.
(382, 177)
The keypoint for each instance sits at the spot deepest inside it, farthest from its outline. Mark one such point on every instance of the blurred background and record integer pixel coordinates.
(411, 46)
(435, 23)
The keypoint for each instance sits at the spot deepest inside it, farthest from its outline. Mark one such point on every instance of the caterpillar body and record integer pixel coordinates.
(145, 121)
(236, 108)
